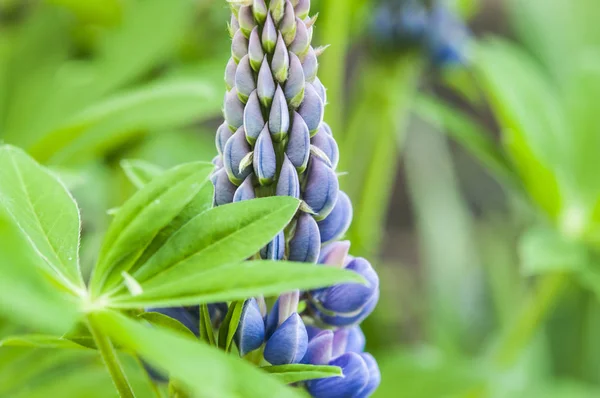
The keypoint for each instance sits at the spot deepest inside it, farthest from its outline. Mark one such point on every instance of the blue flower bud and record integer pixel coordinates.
(233, 110)
(326, 128)
(288, 183)
(374, 376)
(447, 37)
(301, 41)
(224, 189)
(294, 87)
(260, 11)
(287, 27)
(235, 150)
(265, 85)
(348, 319)
(320, 89)
(338, 221)
(288, 343)
(246, 20)
(356, 377)
(255, 50)
(218, 160)
(306, 243)
(356, 340)
(326, 143)
(230, 74)
(250, 333)
(322, 187)
(244, 79)
(319, 350)
(239, 46)
(302, 8)
(310, 65)
(265, 159)
(233, 25)
(311, 109)
(254, 122)
(223, 134)
(269, 35)
(279, 117)
(276, 7)
(298, 147)
(280, 64)
(275, 249)
(245, 191)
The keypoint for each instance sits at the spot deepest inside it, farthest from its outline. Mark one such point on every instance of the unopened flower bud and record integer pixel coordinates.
(298, 147)
(230, 74)
(279, 117)
(235, 150)
(233, 110)
(335, 225)
(255, 50)
(306, 243)
(322, 187)
(319, 349)
(276, 7)
(245, 191)
(223, 134)
(301, 41)
(254, 122)
(269, 35)
(246, 20)
(310, 65)
(356, 377)
(288, 342)
(326, 143)
(275, 249)
(288, 24)
(321, 90)
(311, 109)
(265, 160)
(239, 46)
(244, 79)
(260, 11)
(280, 64)
(250, 333)
(224, 189)
(294, 86)
(288, 183)
(265, 84)
(302, 8)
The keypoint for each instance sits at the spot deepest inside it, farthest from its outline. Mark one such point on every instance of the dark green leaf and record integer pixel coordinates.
(230, 324)
(298, 372)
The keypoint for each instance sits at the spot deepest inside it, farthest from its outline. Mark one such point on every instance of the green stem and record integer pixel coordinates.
(533, 313)
(110, 358)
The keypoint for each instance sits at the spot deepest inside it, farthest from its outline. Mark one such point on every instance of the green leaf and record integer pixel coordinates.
(140, 172)
(207, 333)
(39, 341)
(230, 324)
(158, 319)
(236, 281)
(142, 217)
(226, 234)
(205, 370)
(298, 372)
(45, 213)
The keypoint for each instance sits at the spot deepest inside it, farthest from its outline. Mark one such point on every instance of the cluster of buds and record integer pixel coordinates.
(274, 142)
(423, 25)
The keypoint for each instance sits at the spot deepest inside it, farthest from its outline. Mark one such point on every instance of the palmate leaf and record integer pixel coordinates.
(45, 213)
(142, 217)
(205, 370)
(299, 372)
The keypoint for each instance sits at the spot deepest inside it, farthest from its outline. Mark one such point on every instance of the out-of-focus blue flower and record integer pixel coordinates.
(447, 38)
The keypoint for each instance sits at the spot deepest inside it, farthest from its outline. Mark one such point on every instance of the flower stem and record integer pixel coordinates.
(533, 313)
(110, 359)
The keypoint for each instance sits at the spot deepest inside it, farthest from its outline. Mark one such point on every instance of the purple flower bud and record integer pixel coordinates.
(311, 109)
(239, 46)
(250, 333)
(230, 74)
(244, 79)
(287, 26)
(233, 26)
(254, 122)
(255, 50)
(346, 340)
(260, 11)
(319, 350)
(224, 189)
(235, 150)
(233, 110)
(269, 35)
(301, 41)
(294, 87)
(326, 143)
(246, 20)
(320, 89)
(338, 221)
(298, 147)
(288, 343)
(281, 61)
(322, 187)
(374, 376)
(223, 134)
(245, 191)
(265, 159)
(302, 8)
(279, 118)
(288, 183)
(310, 65)
(327, 129)
(349, 298)
(275, 249)
(306, 243)
(336, 254)
(348, 319)
(356, 377)
(265, 85)
(218, 160)
(276, 7)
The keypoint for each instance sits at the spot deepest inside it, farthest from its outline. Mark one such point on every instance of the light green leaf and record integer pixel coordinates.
(230, 324)
(207, 334)
(39, 341)
(142, 217)
(162, 320)
(205, 370)
(226, 234)
(234, 282)
(140, 172)
(45, 213)
(297, 372)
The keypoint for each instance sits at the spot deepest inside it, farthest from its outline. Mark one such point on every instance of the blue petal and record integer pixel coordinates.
(245, 191)
(348, 320)
(322, 188)
(288, 343)
(288, 183)
(274, 250)
(325, 142)
(319, 350)
(306, 243)
(235, 150)
(265, 159)
(338, 221)
(272, 320)
(356, 377)
(356, 340)
(374, 376)
(250, 334)
(224, 189)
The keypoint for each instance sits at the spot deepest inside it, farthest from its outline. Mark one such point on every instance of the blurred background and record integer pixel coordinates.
(470, 138)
